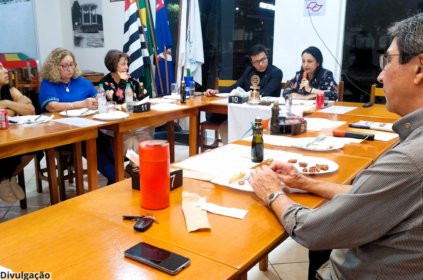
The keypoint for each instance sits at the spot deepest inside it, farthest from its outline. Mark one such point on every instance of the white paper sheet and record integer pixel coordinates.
(167, 107)
(81, 122)
(337, 109)
(245, 151)
(216, 163)
(224, 211)
(221, 101)
(5, 270)
(322, 123)
(275, 140)
(382, 136)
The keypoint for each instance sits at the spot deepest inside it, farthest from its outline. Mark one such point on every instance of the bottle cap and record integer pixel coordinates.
(100, 85)
(128, 84)
(141, 84)
(183, 81)
(258, 119)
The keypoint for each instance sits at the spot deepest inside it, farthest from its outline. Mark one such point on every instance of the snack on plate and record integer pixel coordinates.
(236, 177)
(317, 169)
(241, 182)
(303, 164)
(268, 161)
(305, 169)
(312, 169)
(331, 147)
(292, 161)
(323, 167)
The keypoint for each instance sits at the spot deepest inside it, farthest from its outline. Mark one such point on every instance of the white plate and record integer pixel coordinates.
(224, 181)
(222, 94)
(23, 119)
(312, 161)
(78, 112)
(160, 100)
(327, 145)
(117, 115)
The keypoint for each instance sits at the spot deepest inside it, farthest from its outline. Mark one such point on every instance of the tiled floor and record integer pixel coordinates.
(289, 261)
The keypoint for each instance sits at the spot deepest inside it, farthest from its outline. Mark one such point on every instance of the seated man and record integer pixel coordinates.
(14, 103)
(270, 83)
(375, 225)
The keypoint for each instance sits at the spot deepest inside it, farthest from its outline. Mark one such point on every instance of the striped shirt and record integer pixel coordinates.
(376, 228)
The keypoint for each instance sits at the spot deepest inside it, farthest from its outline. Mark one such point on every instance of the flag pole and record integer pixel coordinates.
(153, 39)
(145, 40)
(167, 75)
(179, 43)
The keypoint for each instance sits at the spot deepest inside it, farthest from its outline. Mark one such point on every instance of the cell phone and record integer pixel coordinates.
(368, 104)
(158, 258)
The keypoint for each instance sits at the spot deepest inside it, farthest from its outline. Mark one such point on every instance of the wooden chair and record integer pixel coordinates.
(376, 92)
(20, 80)
(211, 124)
(286, 84)
(64, 161)
(341, 91)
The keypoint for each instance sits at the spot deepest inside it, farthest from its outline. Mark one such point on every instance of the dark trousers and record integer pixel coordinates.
(316, 260)
(9, 165)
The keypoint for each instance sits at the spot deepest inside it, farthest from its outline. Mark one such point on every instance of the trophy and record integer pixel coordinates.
(255, 95)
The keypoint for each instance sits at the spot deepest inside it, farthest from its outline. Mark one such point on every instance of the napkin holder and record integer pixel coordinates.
(143, 107)
(292, 126)
(176, 179)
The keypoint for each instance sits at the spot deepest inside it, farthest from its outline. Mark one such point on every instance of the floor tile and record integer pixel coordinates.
(16, 211)
(288, 252)
(256, 274)
(292, 271)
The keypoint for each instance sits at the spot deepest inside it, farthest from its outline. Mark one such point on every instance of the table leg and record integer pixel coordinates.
(52, 179)
(21, 182)
(242, 277)
(91, 147)
(264, 263)
(171, 140)
(118, 150)
(193, 132)
(77, 164)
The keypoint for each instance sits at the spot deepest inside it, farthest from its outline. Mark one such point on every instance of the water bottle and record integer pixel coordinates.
(102, 101)
(129, 98)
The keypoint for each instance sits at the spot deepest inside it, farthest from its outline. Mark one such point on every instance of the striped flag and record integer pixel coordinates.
(148, 30)
(134, 46)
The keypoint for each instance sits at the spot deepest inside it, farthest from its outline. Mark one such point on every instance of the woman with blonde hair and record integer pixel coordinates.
(63, 89)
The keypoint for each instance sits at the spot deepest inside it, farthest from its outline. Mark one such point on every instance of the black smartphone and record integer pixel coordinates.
(161, 259)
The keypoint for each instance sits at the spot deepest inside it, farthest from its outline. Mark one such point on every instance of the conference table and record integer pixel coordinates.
(19, 140)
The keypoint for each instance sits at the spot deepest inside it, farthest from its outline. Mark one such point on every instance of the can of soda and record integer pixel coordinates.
(320, 100)
(4, 122)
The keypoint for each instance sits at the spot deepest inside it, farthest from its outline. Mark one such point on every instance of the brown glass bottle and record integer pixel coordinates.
(257, 145)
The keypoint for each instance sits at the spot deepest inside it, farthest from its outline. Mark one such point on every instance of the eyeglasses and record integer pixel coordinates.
(384, 61)
(66, 67)
(261, 61)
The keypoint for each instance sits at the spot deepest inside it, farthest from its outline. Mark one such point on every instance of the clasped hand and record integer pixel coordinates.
(306, 85)
(267, 180)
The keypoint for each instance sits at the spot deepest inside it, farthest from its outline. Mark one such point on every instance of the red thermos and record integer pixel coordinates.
(154, 174)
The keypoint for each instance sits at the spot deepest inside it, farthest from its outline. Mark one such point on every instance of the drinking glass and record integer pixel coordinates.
(111, 106)
(174, 89)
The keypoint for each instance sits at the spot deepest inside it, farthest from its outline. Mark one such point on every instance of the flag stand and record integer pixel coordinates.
(153, 39)
(145, 39)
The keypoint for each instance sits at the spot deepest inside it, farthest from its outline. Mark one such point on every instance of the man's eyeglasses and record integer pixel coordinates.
(261, 61)
(66, 67)
(384, 60)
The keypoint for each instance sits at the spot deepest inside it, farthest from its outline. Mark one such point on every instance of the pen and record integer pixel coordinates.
(357, 135)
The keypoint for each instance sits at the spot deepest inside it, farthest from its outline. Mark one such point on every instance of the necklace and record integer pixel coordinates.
(67, 86)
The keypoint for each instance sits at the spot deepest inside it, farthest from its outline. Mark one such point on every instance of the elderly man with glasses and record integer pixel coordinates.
(375, 226)
(270, 75)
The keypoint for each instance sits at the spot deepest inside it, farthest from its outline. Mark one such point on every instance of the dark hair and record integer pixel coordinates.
(112, 59)
(255, 50)
(408, 33)
(317, 54)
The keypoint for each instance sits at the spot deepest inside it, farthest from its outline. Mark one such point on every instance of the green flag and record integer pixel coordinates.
(148, 31)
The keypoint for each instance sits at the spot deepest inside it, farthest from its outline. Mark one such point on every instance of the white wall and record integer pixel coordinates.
(294, 33)
(17, 29)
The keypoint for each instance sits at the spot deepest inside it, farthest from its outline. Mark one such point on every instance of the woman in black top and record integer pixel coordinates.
(14, 103)
(319, 80)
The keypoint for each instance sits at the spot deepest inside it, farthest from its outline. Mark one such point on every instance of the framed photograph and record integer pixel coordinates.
(87, 23)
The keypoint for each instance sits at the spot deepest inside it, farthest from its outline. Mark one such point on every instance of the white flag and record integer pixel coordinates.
(195, 52)
(182, 43)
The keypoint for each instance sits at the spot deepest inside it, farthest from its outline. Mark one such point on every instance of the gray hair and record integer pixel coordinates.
(409, 37)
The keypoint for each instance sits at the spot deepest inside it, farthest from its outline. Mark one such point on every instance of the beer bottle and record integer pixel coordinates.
(274, 128)
(257, 145)
(141, 92)
(183, 93)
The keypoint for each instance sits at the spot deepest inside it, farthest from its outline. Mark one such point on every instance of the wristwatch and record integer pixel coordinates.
(273, 196)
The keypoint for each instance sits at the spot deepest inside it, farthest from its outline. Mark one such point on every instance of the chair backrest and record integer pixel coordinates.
(376, 92)
(223, 83)
(341, 91)
(286, 84)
